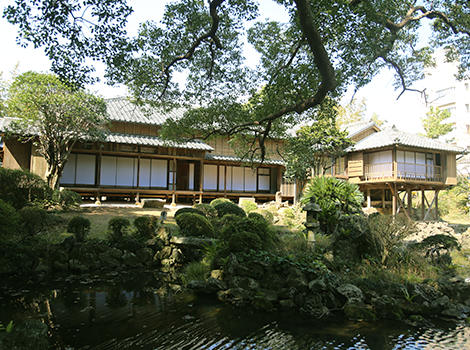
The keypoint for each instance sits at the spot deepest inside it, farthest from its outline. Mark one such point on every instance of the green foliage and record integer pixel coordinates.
(9, 219)
(269, 216)
(241, 234)
(145, 226)
(334, 196)
(321, 50)
(194, 225)
(225, 208)
(188, 210)
(453, 201)
(117, 228)
(19, 187)
(208, 210)
(195, 271)
(352, 112)
(8, 328)
(33, 220)
(216, 201)
(66, 199)
(58, 113)
(248, 206)
(437, 244)
(433, 125)
(313, 147)
(391, 231)
(79, 227)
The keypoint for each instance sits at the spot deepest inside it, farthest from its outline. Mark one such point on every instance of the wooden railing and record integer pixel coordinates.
(403, 171)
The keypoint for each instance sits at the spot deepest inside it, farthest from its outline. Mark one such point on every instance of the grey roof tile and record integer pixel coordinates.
(146, 140)
(122, 109)
(225, 158)
(391, 136)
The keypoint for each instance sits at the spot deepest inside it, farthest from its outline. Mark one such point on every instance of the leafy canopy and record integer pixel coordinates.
(433, 125)
(54, 116)
(326, 47)
(314, 148)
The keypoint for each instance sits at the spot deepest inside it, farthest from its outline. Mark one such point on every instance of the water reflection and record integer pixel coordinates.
(139, 311)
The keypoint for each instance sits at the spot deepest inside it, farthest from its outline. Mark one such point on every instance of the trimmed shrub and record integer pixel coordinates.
(33, 220)
(67, 199)
(208, 210)
(220, 200)
(19, 188)
(194, 225)
(9, 219)
(188, 210)
(242, 234)
(257, 216)
(79, 227)
(248, 206)
(145, 226)
(225, 208)
(269, 216)
(117, 228)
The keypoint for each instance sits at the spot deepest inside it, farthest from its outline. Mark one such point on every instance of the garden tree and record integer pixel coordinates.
(432, 123)
(315, 147)
(376, 119)
(326, 47)
(54, 116)
(352, 112)
(4, 86)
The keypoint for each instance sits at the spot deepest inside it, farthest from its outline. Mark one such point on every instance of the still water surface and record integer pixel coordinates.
(137, 310)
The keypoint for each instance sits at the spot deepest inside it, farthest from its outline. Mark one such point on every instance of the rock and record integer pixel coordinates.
(298, 280)
(387, 307)
(246, 283)
(318, 285)
(351, 293)
(165, 253)
(144, 255)
(29, 335)
(355, 312)
(234, 295)
(215, 285)
(156, 203)
(217, 274)
(130, 259)
(288, 293)
(163, 233)
(177, 256)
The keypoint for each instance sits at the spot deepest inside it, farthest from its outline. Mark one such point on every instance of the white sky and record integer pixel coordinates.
(380, 95)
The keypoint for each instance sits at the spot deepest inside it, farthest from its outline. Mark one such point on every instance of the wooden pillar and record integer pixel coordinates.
(410, 202)
(383, 198)
(368, 198)
(422, 204)
(173, 197)
(394, 200)
(437, 204)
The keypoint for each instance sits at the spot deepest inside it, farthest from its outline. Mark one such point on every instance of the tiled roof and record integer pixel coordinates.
(391, 136)
(155, 141)
(357, 127)
(220, 157)
(123, 110)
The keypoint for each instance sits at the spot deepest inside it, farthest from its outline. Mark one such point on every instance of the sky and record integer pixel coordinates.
(381, 98)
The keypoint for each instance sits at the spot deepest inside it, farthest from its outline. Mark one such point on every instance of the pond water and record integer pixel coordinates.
(140, 310)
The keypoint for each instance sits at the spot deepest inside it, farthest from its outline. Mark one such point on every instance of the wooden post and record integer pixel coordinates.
(368, 198)
(394, 200)
(422, 204)
(410, 202)
(173, 197)
(383, 198)
(437, 204)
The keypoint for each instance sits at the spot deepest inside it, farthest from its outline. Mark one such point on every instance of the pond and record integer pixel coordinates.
(140, 310)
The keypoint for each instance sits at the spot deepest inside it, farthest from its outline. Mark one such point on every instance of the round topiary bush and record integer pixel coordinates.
(145, 226)
(188, 210)
(194, 225)
(266, 214)
(209, 211)
(33, 220)
(225, 208)
(79, 227)
(67, 199)
(117, 228)
(220, 200)
(242, 234)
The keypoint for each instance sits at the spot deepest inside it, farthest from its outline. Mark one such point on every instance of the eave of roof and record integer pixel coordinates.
(146, 140)
(235, 159)
(390, 136)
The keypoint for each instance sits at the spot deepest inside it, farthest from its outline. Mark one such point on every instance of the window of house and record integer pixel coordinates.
(264, 179)
(171, 174)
